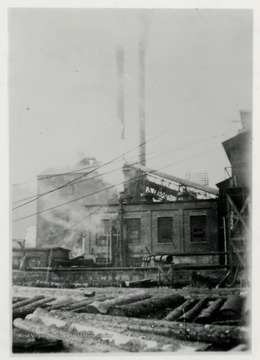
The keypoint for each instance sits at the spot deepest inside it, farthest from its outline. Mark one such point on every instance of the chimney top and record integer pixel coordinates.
(246, 119)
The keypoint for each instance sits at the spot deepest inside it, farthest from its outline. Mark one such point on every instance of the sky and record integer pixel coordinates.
(63, 87)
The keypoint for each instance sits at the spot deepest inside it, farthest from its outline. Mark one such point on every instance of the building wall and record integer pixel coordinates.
(180, 213)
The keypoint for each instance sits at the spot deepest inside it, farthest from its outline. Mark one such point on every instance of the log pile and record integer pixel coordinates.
(180, 310)
(109, 305)
(207, 315)
(207, 319)
(194, 311)
(148, 306)
(21, 310)
(225, 335)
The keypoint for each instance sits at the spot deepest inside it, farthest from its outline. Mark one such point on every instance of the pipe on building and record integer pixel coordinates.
(163, 258)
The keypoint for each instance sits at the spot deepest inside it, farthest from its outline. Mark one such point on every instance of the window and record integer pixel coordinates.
(133, 231)
(198, 228)
(103, 234)
(165, 229)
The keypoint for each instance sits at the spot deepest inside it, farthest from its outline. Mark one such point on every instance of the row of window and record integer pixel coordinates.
(165, 227)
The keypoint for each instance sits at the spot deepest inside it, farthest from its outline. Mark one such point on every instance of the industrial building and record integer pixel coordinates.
(28, 258)
(156, 219)
(234, 201)
(156, 213)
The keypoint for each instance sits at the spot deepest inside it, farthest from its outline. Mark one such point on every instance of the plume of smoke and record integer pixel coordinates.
(54, 222)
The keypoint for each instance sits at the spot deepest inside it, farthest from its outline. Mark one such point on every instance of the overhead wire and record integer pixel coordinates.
(56, 175)
(84, 218)
(109, 162)
(109, 187)
(92, 213)
(99, 167)
(122, 155)
(171, 149)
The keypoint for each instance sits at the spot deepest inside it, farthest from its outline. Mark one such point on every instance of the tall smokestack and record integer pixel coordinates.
(142, 103)
(120, 88)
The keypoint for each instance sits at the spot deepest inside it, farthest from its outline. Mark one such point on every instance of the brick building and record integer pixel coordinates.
(149, 217)
(155, 218)
(156, 228)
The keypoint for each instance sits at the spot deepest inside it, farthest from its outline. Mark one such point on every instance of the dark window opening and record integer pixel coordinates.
(133, 231)
(165, 230)
(198, 231)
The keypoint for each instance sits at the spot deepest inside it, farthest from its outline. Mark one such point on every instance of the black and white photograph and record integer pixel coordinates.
(130, 178)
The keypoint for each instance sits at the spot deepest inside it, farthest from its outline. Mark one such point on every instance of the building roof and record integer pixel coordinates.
(181, 181)
(84, 165)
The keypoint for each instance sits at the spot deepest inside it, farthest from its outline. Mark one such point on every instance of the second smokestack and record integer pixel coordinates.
(120, 60)
(142, 103)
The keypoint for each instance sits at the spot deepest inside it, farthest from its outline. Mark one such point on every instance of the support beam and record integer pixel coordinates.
(176, 179)
(233, 206)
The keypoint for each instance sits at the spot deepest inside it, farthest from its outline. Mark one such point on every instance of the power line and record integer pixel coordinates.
(110, 187)
(176, 148)
(156, 136)
(84, 218)
(87, 173)
(59, 174)
(102, 165)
